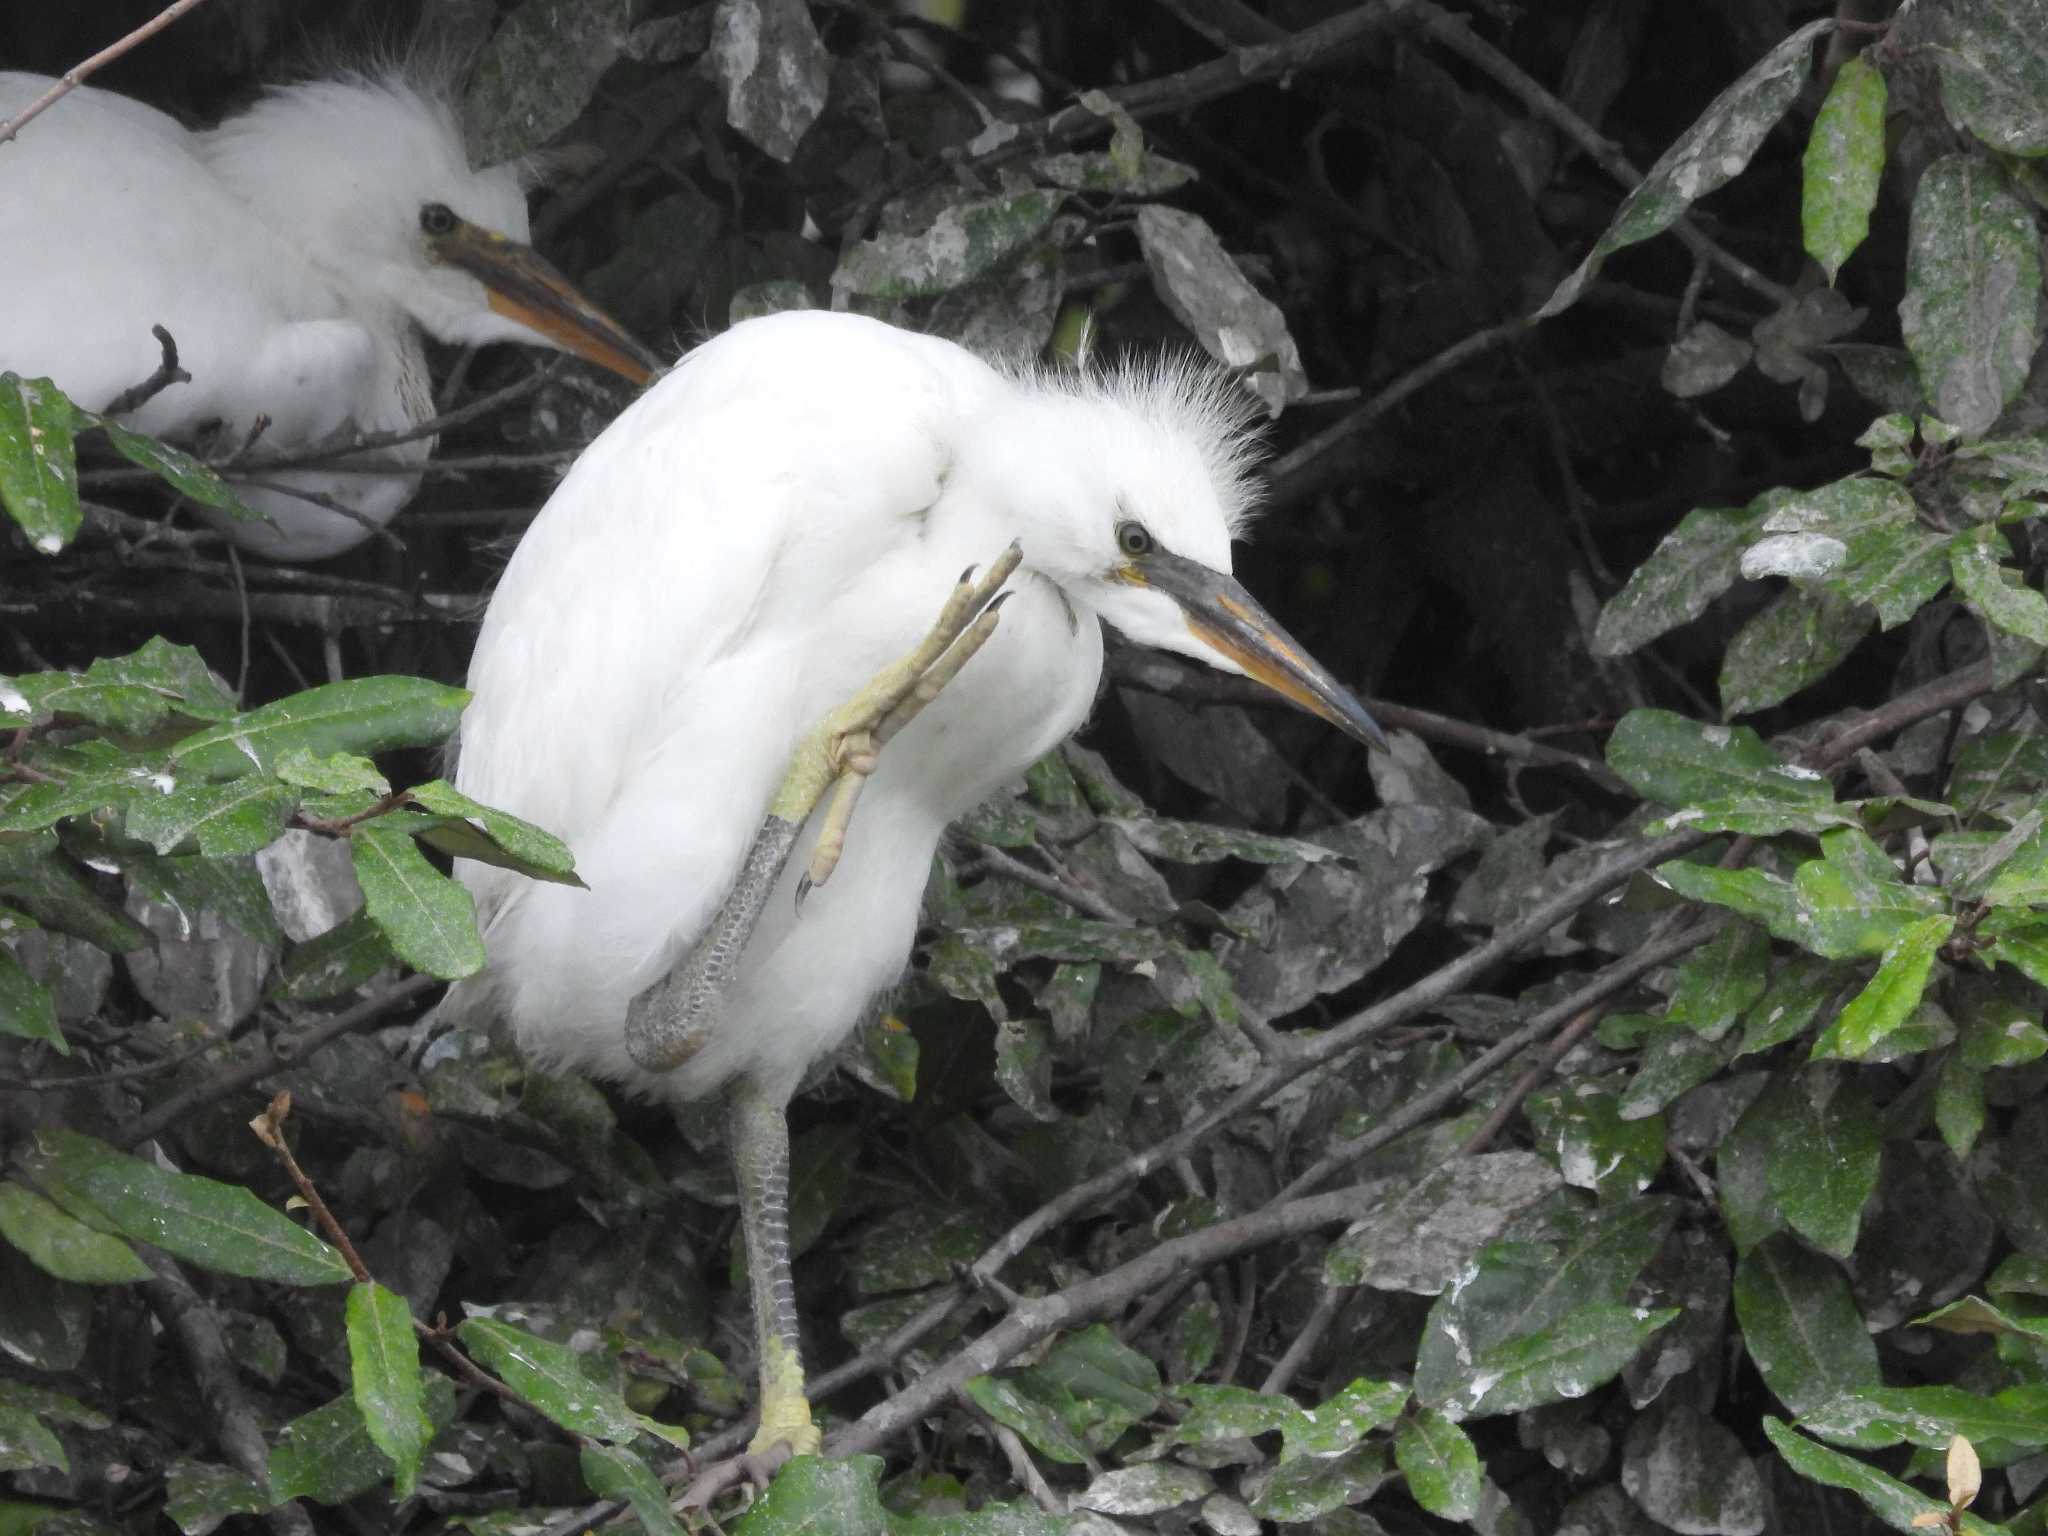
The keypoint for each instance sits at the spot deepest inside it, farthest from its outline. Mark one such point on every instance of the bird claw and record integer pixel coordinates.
(899, 695)
(754, 1470)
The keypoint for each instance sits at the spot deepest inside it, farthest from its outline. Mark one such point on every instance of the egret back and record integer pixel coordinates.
(112, 224)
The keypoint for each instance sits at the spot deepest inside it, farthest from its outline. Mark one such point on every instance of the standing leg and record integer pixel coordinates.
(760, 1162)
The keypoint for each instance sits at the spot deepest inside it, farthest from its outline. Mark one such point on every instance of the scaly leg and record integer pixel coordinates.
(760, 1161)
(668, 1023)
(671, 1020)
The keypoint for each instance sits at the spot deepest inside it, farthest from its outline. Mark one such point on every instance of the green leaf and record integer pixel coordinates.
(220, 820)
(1712, 152)
(1992, 73)
(1582, 1350)
(1890, 997)
(1102, 172)
(46, 1321)
(1890, 1500)
(1300, 1490)
(328, 1455)
(1694, 564)
(1861, 540)
(1852, 901)
(474, 831)
(1221, 1413)
(38, 462)
(1798, 991)
(2020, 940)
(1039, 1415)
(334, 962)
(613, 1472)
(1194, 842)
(40, 880)
(63, 1247)
(1824, 1159)
(363, 715)
(2022, 880)
(1801, 1327)
(1798, 640)
(428, 918)
(202, 1495)
(25, 1442)
(1717, 983)
(384, 1374)
(1997, 592)
(1973, 275)
(1843, 167)
(1682, 762)
(1440, 1463)
(217, 1226)
(1585, 1133)
(2001, 1427)
(338, 773)
(175, 467)
(176, 673)
(552, 1377)
(1751, 893)
(27, 1010)
(815, 1497)
(966, 242)
(1959, 1104)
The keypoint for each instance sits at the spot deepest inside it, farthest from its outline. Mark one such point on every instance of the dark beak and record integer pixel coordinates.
(1229, 620)
(523, 286)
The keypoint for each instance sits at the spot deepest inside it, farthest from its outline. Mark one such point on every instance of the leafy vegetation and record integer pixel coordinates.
(1622, 1113)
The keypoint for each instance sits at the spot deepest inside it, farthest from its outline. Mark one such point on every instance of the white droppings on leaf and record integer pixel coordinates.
(13, 700)
(1793, 554)
(1716, 736)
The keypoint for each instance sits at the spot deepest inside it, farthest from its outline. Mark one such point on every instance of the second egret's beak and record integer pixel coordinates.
(523, 286)
(1230, 622)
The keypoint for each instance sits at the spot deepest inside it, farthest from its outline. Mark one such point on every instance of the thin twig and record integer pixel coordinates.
(167, 373)
(77, 75)
(280, 1055)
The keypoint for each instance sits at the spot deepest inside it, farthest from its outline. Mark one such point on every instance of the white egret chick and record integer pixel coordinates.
(760, 539)
(295, 253)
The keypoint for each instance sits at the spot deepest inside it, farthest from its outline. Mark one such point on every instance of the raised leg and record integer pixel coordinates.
(668, 1023)
(760, 1163)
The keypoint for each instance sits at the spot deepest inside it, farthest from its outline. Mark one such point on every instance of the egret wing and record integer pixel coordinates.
(640, 678)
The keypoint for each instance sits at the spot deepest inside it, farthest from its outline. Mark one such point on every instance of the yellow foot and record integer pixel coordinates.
(786, 1422)
(853, 736)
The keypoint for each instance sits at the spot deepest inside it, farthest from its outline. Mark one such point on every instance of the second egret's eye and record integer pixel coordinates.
(1133, 540)
(437, 219)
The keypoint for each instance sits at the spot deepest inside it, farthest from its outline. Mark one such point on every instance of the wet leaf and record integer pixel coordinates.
(965, 243)
(63, 1246)
(1992, 74)
(1801, 1327)
(1236, 324)
(217, 1226)
(1712, 152)
(429, 920)
(1441, 1465)
(1973, 271)
(384, 1374)
(363, 715)
(38, 462)
(1890, 997)
(1844, 165)
(1798, 640)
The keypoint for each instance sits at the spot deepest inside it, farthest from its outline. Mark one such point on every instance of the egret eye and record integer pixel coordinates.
(1133, 540)
(437, 219)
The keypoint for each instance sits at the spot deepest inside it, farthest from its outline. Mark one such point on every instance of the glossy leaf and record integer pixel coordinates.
(1441, 1465)
(38, 463)
(1801, 1327)
(1714, 150)
(220, 820)
(552, 1377)
(1694, 564)
(363, 715)
(1683, 762)
(429, 920)
(217, 1226)
(384, 1374)
(1844, 165)
(613, 1472)
(1889, 998)
(63, 1246)
(1973, 270)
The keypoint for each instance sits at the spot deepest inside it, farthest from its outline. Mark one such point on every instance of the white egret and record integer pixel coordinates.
(294, 253)
(666, 668)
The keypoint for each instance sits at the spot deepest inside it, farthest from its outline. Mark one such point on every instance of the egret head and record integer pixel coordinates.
(1127, 486)
(368, 176)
